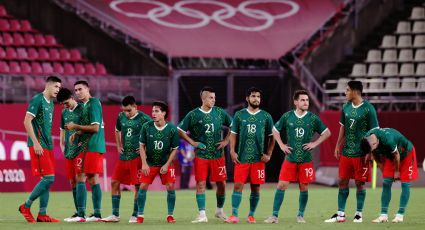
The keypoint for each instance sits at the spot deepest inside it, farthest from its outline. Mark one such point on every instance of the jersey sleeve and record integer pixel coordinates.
(269, 127)
(227, 118)
(175, 141)
(372, 118)
(143, 134)
(34, 106)
(96, 113)
(280, 124)
(184, 124)
(235, 124)
(118, 124)
(320, 127)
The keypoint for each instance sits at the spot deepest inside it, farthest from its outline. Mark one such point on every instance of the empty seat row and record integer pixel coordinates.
(15, 25)
(42, 54)
(390, 55)
(28, 39)
(390, 84)
(403, 41)
(405, 27)
(389, 70)
(36, 68)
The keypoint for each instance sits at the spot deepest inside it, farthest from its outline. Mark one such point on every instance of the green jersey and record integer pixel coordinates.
(159, 142)
(42, 111)
(357, 120)
(251, 129)
(68, 115)
(130, 133)
(205, 127)
(390, 141)
(92, 115)
(299, 130)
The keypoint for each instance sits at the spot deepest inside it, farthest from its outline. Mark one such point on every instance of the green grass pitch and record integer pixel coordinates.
(322, 204)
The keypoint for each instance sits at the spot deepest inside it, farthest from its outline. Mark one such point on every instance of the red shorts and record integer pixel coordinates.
(42, 165)
(169, 177)
(408, 168)
(70, 169)
(252, 172)
(128, 172)
(301, 172)
(89, 162)
(354, 168)
(216, 166)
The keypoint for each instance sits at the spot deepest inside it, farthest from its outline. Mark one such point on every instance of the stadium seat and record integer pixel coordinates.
(421, 84)
(420, 55)
(25, 68)
(26, 26)
(405, 55)
(359, 70)
(47, 68)
(404, 41)
(50, 40)
(68, 69)
(420, 70)
(390, 70)
(43, 54)
(79, 69)
(392, 84)
(418, 13)
(7, 39)
(408, 83)
(90, 69)
(373, 56)
(22, 53)
(341, 84)
(4, 25)
(364, 81)
(39, 83)
(403, 27)
(4, 67)
(389, 41)
(2, 53)
(376, 84)
(64, 55)
(407, 69)
(11, 53)
(418, 27)
(29, 39)
(18, 40)
(36, 68)
(39, 40)
(29, 82)
(419, 41)
(15, 25)
(3, 12)
(100, 69)
(374, 70)
(75, 55)
(32, 54)
(14, 67)
(54, 54)
(58, 68)
(390, 55)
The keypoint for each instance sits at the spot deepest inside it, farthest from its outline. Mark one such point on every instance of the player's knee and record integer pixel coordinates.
(303, 187)
(282, 186)
(200, 186)
(343, 183)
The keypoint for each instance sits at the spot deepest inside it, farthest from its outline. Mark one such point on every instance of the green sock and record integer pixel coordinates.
(404, 197)
(253, 202)
(342, 198)
(135, 208)
(116, 205)
(220, 200)
(44, 200)
(386, 195)
(360, 196)
(171, 201)
(200, 200)
(302, 202)
(277, 202)
(81, 198)
(74, 197)
(141, 200)
(236, 201)
(42, 185)
(96, 199)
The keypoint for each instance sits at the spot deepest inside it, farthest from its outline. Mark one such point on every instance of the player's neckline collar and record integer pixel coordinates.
(209, 111)
(160, 129)
(131, 118)
(357, 106)
(252, 112)
(47, 100)
(305, 113)
(72, 110)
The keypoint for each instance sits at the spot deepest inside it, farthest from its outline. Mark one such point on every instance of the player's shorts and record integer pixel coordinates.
(217, 167)
(169, 177)
(44, 164)
(408, 167)
(128, 172)
(302, 172)
(354, 168)
(70, 168)
(89, 162)
(254, 173)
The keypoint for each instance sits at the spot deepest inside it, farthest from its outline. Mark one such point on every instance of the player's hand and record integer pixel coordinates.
(234, 157)
(309, 146)
(145, 169)
(397, 175)
(72, 138)
(286, 149)
(120, 150)
(62, 148)
(38, 149)
(164, 169)
(200, 145)
(336, 154)
(265, 158)
(70, 126)
(222, 144)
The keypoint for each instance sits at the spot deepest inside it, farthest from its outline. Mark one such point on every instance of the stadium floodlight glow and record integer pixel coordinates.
(161, 10)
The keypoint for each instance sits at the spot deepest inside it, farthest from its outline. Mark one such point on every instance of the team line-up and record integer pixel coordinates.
(148, 145)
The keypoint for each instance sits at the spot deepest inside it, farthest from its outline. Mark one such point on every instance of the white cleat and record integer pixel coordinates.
(93, 219)
(358, 218)
(132, 220)
(271, 220)
(111, 219)
(381, 219)
(300, 220)
(220, 215)
(336, 219)
(200, 219)
(398, 218)
(75, 219)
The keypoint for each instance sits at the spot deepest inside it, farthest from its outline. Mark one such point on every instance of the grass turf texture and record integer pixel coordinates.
(322, 204)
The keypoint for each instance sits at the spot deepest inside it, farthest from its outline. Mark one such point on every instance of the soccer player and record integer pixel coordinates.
(38, 124)
(358, 116)
(71, 113)
(127, 132)
(396, 157)
(204, 124)
(159, 141)
(251, 129)
(298, 126)
(89, 162)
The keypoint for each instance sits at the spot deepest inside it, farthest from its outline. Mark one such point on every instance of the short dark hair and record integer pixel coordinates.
(128, 100)
(63, 95)
(82, 82)
(356, 85)
(162, 106)
(207, 89)
(53, 79)
(253, 90)
(298, 93)
(365, 146)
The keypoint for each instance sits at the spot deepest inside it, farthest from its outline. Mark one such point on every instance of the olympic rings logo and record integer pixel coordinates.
(220, 16)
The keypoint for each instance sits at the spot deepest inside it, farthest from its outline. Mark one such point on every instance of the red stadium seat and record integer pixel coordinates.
(3, 12)
(2, 53)
(50, 40)
(18, 40)
(4, 25)
(43, 54)
(79, 69)
(25, 68)
(75, 55)
(100, 69)
(58, 68)
(4, 67)
(22, 53)
(15, 25)
(68, 69)
(47, 68)
(11, 53)
(64, 55)
(29, 82)
(32, 54)
(90, 69)
(54, 54)
(39, 40)
(29, 39)
(14, 67)
(26, 26)
(7, 39)
(36, 68)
